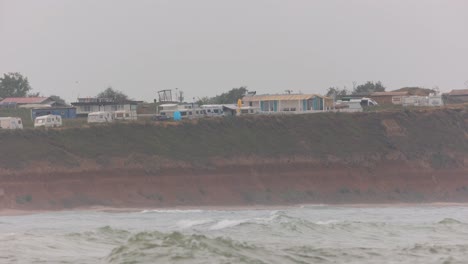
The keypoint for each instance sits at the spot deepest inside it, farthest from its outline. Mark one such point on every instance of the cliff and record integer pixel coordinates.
(381, 157)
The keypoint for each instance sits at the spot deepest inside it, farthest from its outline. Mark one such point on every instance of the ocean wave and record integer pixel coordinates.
(327, 222)
(187, 223)
(449, 221)
(157, 247)
(174, 211)
(228, 223)
(105, 234)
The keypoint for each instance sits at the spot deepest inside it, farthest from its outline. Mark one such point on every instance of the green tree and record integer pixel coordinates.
(115, 95)
(336, 93)
(58, 100)
(229, 97)
(368, 88)
(204, 100)
(14, 84)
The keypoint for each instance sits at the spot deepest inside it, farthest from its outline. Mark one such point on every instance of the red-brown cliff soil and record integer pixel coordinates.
(393, 157)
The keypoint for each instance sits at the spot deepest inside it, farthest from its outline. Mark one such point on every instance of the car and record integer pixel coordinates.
(160, 118)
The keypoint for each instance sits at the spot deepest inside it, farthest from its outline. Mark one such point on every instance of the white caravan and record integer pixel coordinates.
(125, 115)
(213, 110)
(48, 121)
(11, 123)
(101, 117)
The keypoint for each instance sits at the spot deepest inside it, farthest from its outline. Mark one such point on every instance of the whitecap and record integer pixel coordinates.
(227, 223)
(184, 224)
(171, 211)
(327, 222)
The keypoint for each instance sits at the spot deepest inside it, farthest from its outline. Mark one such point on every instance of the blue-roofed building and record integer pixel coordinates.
(64, 112)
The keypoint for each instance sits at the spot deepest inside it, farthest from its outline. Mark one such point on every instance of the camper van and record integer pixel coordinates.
(11, 123)
(48, 121)
(101, 117)
(125, 115)
(213, 110)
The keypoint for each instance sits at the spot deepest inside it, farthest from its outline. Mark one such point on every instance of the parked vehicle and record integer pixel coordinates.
(125, 115)
(161, 118)
(213, 110)
(101, 117)
(48, 121)
(11, 123)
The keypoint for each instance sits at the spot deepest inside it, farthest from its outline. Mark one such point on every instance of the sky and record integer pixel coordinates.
(206, 47)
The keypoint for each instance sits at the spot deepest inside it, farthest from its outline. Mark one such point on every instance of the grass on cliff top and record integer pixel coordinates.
(268, 136)
(315, 135)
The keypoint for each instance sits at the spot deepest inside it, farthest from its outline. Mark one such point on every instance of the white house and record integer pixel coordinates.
(84, 106)
(288, 103)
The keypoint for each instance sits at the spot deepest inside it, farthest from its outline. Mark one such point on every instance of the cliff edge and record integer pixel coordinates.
(376, 157)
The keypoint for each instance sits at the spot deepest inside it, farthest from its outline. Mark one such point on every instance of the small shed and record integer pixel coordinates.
(64, 112)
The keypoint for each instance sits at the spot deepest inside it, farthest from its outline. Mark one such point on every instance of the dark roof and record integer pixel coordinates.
(389, 94)
(52, 108)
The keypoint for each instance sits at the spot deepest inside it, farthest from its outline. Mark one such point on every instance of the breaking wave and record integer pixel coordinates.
(299, 235)
(156, 247)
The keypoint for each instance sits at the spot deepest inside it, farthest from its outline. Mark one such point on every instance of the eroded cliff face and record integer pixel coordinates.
(413, 156)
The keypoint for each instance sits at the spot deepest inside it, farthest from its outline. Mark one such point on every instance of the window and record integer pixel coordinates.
(190, 113)
(87, 108)
(216, 111)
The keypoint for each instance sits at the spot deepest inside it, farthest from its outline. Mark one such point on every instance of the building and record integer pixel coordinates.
(387, 98)
(431, 100)
(84, 106)
(26, 102)
(64, 112)
(457, 96)
(288, 103)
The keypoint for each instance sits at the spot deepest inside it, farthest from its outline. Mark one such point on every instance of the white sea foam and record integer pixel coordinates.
(228, 223)
(171, 211)
(327, 222)
(184, 224)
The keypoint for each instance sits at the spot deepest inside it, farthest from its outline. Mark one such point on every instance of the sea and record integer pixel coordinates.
(300, 234)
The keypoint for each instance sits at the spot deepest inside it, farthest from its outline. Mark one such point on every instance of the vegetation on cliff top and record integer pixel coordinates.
(315, 135)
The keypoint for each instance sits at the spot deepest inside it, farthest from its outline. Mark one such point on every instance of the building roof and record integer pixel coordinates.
(389, 94)
(168, 105)
(284, 97)
(458, 92)
(131, 102)
(25, 100)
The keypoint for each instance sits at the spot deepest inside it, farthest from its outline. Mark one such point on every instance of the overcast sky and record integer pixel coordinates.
(206, 47)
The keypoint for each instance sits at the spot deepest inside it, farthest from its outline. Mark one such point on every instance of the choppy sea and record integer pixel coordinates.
(305, 234)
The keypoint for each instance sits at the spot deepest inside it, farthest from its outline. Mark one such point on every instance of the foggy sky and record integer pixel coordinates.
(206, 47)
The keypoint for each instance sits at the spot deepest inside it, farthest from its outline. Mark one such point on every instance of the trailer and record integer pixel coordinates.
(101, 117)
(48, 121)
(125, 115)
(11, 123)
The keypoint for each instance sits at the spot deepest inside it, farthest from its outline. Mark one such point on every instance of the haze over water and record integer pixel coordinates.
(306, 234)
